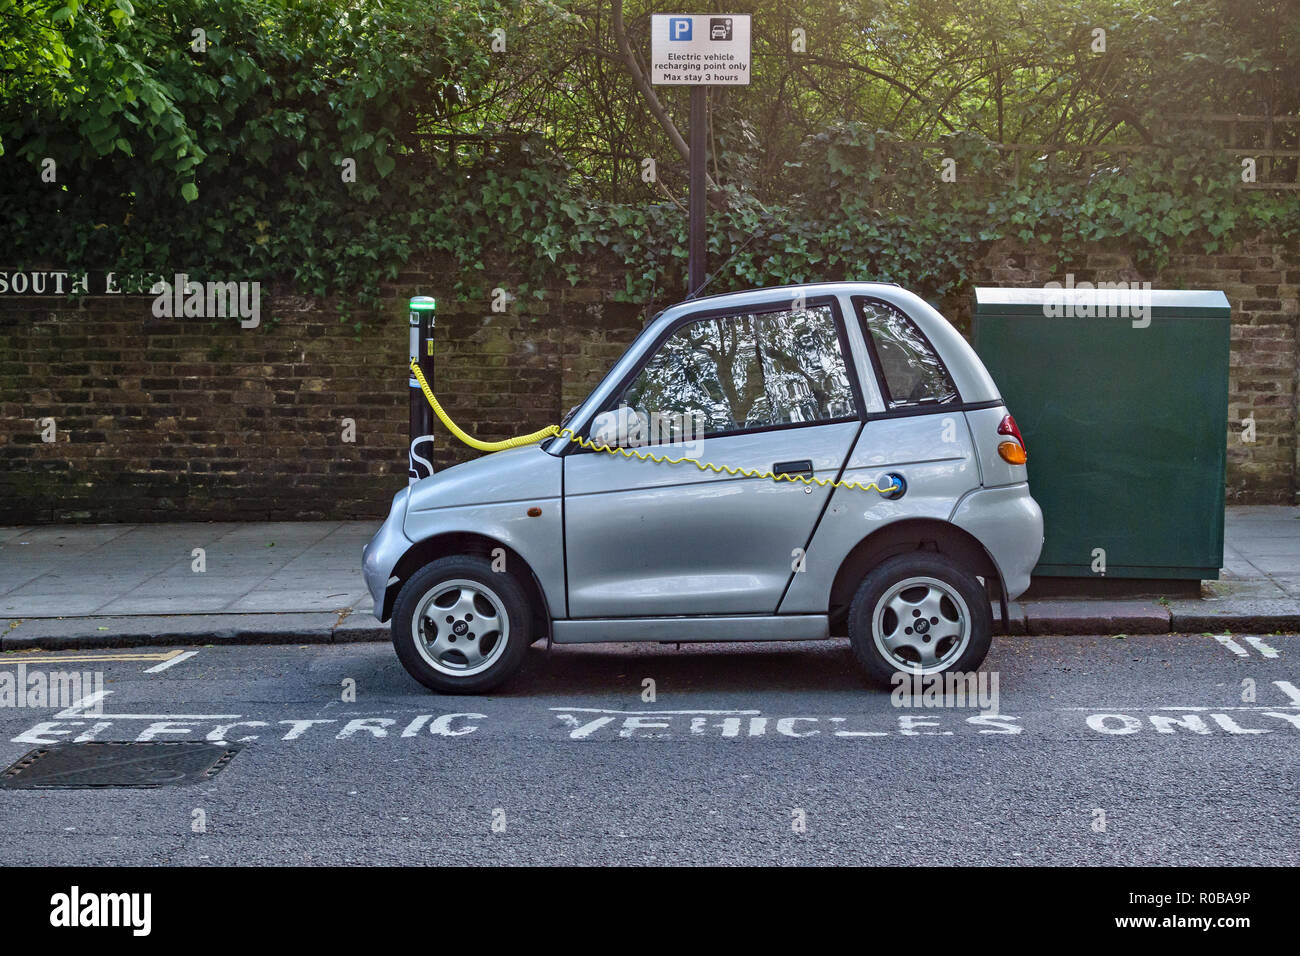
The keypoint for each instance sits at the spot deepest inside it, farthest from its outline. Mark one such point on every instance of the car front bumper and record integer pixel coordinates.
(386, 548)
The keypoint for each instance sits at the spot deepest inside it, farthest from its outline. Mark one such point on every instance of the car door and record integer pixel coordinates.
(919, 433)
(922, 434)
(765, 388)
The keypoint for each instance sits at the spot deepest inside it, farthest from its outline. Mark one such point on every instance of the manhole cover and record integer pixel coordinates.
(126, 764)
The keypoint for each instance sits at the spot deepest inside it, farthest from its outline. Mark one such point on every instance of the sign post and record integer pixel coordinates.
(697, 203)
(420, 435)
(699, 50)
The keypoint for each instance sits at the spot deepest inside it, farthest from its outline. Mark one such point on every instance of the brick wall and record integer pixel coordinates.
(194, 419)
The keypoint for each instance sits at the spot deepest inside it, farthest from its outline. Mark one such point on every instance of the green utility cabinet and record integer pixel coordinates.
(1122, 399)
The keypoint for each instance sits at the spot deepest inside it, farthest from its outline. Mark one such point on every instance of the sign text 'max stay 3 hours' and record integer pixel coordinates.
(706, 49)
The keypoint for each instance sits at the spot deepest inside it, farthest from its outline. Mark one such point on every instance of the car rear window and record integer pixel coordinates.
(913, 373)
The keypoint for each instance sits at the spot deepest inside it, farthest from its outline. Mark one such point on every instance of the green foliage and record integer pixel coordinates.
(89, 83)
(228, 162)
(871, 208)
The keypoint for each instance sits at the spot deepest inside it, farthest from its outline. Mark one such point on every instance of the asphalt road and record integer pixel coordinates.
(1104, 751)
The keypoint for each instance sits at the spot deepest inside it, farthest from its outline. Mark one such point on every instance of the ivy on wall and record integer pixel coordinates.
(233, 163)
(871, 208)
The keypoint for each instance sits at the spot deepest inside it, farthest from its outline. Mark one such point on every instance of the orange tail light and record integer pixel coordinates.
(1012, 452)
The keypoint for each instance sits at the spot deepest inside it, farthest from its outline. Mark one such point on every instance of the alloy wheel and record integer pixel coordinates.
(921, 625)
(461, 627)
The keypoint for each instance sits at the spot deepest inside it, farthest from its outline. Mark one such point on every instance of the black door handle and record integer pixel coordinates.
(801, 467)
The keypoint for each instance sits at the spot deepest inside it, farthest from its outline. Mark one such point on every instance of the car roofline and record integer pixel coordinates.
(777, 288)
(969, 375)
(823, 287)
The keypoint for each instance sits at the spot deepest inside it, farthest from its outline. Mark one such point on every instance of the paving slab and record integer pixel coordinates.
(203, 603)
(51, 605)
(300, 581)
(261, 602)
(1288, 583)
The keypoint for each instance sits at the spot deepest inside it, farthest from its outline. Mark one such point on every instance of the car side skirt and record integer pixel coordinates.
(740, 627)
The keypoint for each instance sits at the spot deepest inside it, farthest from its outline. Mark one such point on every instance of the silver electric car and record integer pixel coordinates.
(866, 481)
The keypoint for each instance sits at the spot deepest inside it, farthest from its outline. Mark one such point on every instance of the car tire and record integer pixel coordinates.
(435, 619)
(919, 613)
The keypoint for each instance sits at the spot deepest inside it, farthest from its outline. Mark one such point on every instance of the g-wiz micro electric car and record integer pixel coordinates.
(843, 382)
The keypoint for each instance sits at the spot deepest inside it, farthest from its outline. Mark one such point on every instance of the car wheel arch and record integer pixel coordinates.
(451, 543)
(901, 537)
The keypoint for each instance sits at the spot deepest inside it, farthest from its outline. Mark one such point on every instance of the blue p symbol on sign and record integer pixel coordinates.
(679, 28)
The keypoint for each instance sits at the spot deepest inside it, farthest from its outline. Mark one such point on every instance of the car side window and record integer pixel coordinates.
(913, 372)
(746, 371)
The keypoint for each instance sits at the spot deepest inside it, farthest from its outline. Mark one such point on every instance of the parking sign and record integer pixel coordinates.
(707, 49)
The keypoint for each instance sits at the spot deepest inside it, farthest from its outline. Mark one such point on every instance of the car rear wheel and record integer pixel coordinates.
(919, 613)
(459, 627)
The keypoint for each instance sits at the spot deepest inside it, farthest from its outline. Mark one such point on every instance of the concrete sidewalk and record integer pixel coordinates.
(120, 585)
(300, 582)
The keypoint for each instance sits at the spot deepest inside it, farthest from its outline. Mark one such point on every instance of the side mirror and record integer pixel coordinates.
(620, 428)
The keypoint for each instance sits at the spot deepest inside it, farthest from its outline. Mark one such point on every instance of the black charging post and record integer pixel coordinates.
(420, 436)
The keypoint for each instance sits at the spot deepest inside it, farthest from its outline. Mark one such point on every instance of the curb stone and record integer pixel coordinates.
(1097, 617)
(1257, 616)
(1035, 619)
(164, 631)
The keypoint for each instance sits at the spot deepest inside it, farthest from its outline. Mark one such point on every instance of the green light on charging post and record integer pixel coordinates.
(421, 317)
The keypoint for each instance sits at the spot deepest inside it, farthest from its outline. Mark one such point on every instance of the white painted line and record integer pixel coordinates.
(1259, 645)
(1231, 645)
(1239, 707)
(1290, 689)
(21, 658)
(89, 701)
(635, 713)
(159, 668)
(1139, 707)
(177, 717)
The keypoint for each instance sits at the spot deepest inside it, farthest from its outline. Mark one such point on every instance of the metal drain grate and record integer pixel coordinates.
(112, 764)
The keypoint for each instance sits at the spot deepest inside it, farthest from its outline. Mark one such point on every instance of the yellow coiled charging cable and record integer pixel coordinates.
(552, 430)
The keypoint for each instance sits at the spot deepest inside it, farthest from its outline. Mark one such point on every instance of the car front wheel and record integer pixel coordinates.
(459, 627)
(919, 613)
